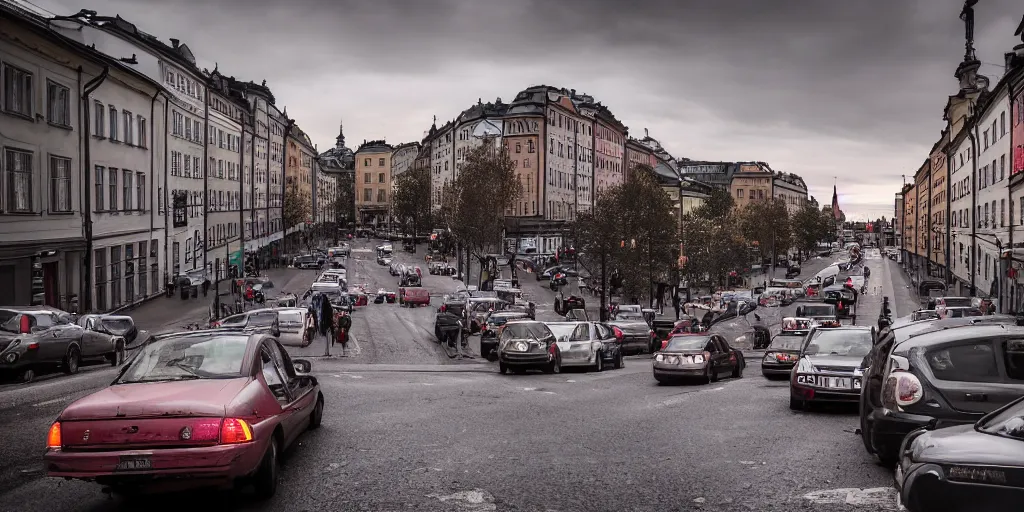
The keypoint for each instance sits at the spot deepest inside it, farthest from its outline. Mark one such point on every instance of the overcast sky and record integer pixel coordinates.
(825, 89)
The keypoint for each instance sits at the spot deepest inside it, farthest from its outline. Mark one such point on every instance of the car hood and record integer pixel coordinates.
(839, 362)
(964, 445)
(201, 397)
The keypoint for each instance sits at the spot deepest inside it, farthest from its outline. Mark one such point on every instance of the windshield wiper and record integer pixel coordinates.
(186, 376)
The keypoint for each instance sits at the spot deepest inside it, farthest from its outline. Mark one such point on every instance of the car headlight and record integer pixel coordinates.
(698, 359)
(659, 358)
(805, 366)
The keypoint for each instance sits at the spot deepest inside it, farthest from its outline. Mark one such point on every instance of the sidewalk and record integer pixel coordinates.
(169, 313)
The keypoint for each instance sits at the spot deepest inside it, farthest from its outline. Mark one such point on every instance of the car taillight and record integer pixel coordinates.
(26, 325)
(901, 389)
(53, 439)
(234, 430)
(202, 430)
(32, 346)
(618, 334)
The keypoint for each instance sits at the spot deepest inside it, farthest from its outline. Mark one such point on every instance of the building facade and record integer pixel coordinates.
(373, 182)
(961, 212)
(939, 175)
(223, 180)
(715, 174)
(474, 127)
(402, 159)
(792, 189)
(637, 153)
(609, 150)
(992, 131)
(568, 168)
(524, 128)
(339, 163)
(300, 176)
(753, 181)
(922, 246)
(442, 160)
(909, 222)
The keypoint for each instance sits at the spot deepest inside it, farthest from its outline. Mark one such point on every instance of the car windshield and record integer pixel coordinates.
(118, 326)
(193, 356)
(787, 341)
(840, 342)
(289, 318)
(524, 331)
(562, 329)
(9, 321)
(818, 310)
(677, 343)
(263, 319)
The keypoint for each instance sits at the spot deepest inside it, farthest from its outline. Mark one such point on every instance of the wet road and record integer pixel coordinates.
(405, 430)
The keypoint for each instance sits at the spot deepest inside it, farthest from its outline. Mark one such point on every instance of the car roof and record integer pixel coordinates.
(942, 332)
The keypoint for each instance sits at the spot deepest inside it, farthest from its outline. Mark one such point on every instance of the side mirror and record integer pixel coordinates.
(302, 365)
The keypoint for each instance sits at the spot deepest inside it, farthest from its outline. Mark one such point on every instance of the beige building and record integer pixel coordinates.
(373, 182)
(792, 189)
(753, 181)
(299, 170)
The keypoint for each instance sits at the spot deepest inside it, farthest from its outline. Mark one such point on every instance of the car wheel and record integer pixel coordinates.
(865, 428)
(72, 360)
(502, 368)
(619, 361)
(265, 480)
(737, 371)
(555, 366)
(599, 363)
(317, 416)
(796, 404)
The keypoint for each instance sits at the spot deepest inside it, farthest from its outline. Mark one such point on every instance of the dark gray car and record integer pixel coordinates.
(40, 337)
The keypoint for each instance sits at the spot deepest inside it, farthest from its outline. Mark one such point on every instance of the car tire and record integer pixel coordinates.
(317, 416)
(865, 428)
(502, 368)
(599, 362)
(620, 362)
(72, 360)
(555, 367)
(737, 372)
(797, 404)
(266, 477)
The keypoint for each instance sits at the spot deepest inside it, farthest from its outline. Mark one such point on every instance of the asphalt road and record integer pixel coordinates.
(405, 429)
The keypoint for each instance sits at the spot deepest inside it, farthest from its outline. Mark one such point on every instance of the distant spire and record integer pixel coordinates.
(341, 135)
(836, 212)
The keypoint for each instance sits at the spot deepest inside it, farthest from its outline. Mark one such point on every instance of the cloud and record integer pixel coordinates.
(852, 90)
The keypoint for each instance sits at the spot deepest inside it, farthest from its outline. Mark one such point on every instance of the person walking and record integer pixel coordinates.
(344, 324)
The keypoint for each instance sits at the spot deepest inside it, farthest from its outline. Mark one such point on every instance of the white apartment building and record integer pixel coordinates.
(569, 161)
(224, 176)
(279, 127)
(961, 213)
(442, 161)
(993, 209)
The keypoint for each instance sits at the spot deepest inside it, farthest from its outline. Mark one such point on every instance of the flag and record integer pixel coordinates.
(835, 203)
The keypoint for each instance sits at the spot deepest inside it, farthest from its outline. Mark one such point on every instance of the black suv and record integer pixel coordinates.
(939, 373)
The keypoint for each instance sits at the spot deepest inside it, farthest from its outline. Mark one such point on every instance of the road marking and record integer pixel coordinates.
(51, 402)
(476, 500)
(857, 497)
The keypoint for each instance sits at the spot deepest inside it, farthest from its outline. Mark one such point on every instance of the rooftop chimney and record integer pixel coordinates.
(175, 42)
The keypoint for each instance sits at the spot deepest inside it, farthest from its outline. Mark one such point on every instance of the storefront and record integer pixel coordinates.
(42, 274)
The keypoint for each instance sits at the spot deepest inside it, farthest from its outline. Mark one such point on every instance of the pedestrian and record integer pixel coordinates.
(344, 324)
(325, 321)
(675, 303)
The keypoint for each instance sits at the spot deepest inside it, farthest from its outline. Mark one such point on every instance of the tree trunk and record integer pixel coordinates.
(604, 283)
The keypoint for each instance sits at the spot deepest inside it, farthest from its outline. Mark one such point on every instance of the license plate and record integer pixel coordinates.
(134, 463)
(836, 383)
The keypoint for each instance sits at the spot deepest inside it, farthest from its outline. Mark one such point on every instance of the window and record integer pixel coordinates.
(1002, 166)
(112, 186)
(969, 362)
(519, 147)
(367, 178)
(60, 184)
(1002, 213)
(17, 91)
(58, 104)
(97, 122)
(986, 139)
(100, 171)
(100, 270)
(140, 191)
(129, 137)
(113, 123)
(197, 132)
(1002, 123)
(126, 184)
(382, 196)
(197, 166)
(367, 195)
(188, 166)
(380, 162)
(176, 119)
(115, 276)
(381, 177)
(220, 138)
(19, 180)
(530, 148)
(142, 132)
(739, 193)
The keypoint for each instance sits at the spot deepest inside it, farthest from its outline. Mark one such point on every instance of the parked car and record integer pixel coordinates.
(491, 330)
(784, 350)
(965, 468)
(183, 411)
(700, 356)
(115, 325)
(413, 297)
(635, 336)
(937, 372)
(452, 317)
(587, 344)
(263, 320)
(526, 344)
(830, 366)
(307, 261)
(34, 338)
(409, 278)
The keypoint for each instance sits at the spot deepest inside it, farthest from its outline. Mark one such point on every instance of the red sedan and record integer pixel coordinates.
(195, 409)
(412, 297)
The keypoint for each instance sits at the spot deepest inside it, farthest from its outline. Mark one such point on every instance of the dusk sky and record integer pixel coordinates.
(825, 89)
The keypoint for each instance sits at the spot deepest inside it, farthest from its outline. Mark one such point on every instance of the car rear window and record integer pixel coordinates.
(290, 318)
(818, 311)
(787, 342)
(968, 362)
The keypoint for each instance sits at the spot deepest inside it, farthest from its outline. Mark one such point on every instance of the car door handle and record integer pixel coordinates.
(976, 397)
